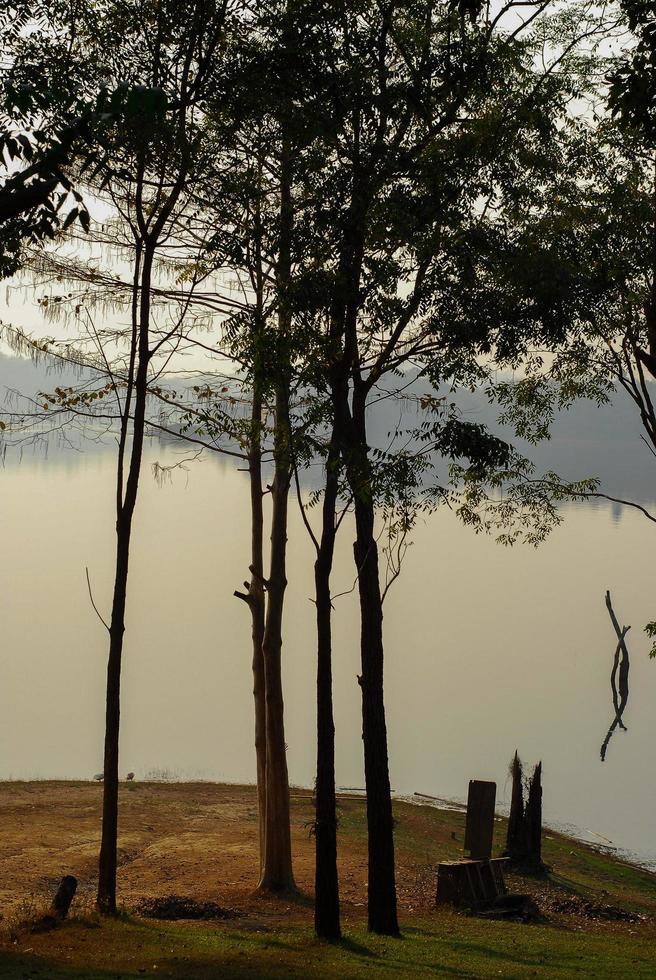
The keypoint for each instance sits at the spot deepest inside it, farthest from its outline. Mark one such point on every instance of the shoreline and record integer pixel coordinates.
(578, 835)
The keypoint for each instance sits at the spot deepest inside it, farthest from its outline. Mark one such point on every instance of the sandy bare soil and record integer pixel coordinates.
(197, 839)
(200, 840)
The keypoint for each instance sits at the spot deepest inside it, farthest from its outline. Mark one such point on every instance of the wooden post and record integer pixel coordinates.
(479, 829)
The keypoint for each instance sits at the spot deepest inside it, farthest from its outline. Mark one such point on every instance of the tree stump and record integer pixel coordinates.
(64, 895)
(533, 821)
(470, 884)
(515, 836)
(524, 840)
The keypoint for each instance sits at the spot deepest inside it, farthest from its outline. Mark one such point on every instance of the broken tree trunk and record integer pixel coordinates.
(524, 840)
(533, 822)
(514, 842)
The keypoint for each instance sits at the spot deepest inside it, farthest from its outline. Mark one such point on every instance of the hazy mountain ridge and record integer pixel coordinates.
(587, 440)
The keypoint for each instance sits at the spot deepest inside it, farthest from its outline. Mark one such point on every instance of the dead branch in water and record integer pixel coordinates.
(619, 678)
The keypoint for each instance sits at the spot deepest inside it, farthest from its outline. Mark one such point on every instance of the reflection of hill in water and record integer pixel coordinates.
(588, 440)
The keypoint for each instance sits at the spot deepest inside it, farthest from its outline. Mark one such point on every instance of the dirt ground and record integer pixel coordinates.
(195, 839)
(200, 840)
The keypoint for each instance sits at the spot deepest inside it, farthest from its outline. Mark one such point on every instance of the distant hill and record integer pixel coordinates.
(587, 440)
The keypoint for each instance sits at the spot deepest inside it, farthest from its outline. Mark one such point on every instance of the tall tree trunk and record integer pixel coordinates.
(382, 915)
(351, 435)
(381, 898)
(126, 501)
(277, 874)
(326, 884)
(255, 599)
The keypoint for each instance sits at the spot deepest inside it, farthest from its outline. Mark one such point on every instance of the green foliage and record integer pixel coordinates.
(512, 503)
(443, 194)
(633, 85)
(650, 630)
(80, 99)
(434, 198)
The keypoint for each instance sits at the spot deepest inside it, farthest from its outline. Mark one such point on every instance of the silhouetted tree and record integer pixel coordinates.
(402, 169)
(596, 232)
(161, 58)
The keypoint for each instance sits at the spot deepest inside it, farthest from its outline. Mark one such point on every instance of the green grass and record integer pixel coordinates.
(451, 946)
(268, 944)
(600, 877)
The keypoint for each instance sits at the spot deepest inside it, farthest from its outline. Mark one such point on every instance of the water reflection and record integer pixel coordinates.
(619, 678)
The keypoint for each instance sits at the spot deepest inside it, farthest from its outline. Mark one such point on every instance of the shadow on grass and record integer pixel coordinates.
(20, 966)
(477, 951)
(17, 966)
(350, 945)
(463, 950)
(252, 965)
(567, 885)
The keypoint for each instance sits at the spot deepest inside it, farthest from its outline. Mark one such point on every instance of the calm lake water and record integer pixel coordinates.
(488, 649)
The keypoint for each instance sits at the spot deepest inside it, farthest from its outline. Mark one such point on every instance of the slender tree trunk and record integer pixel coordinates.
(107, 861)
(277, 874)
(254, 597)
(650, 307)
(382, 915)
(326, 890)
(106, 899)
(351, 434)
(256, 605)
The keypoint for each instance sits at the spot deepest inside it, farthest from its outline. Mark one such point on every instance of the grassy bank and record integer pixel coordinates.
(599, 914)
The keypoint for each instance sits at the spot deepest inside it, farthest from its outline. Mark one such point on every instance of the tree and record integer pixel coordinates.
(255, 253)
(386, 223)
(424, 114)
(164, 67)
(595, 228)
(262, 342)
